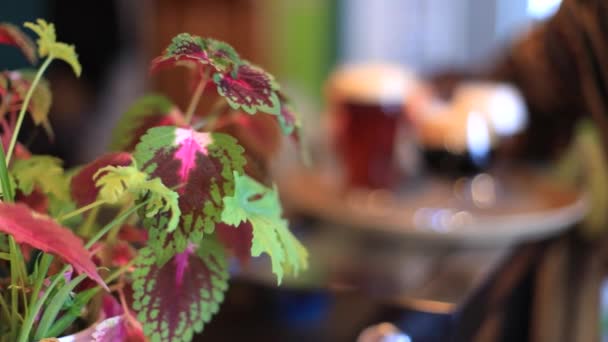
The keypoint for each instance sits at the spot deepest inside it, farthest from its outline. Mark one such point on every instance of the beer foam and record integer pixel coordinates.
(371, 83)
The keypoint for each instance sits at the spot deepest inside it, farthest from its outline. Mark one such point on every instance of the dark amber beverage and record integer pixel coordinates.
(367, 110)
(366, 143)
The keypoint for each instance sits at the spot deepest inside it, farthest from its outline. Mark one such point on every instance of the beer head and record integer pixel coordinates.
(377, 83)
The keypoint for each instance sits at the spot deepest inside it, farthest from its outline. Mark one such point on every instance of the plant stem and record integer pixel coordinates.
(200, 88)
(212, 117)
(81, 210)
(25, 105)
(114, 222)
(7, 189)
(87, 226)
(13, 286)
(4, 307)
(113, 234)
(118, 272)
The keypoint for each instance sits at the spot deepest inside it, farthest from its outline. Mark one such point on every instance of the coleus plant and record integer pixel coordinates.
(189, 192)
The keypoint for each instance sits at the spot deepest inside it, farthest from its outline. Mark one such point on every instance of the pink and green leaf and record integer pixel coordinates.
(175, 299)
(184, 50)
(12, 35)
(84, 189)
(42, 232)
(197, 53)
(147, 112)
(222, 56)
(249, 88)
(199, 166)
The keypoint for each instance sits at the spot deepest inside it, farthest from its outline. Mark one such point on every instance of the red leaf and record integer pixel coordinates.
(83, 187)
(37, 200)
(132, 234)
(110, 306)
(41, 232)
(121, 253)
(12, 35)
(236, 239)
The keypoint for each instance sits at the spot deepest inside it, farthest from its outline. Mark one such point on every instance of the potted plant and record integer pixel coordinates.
(183, 192)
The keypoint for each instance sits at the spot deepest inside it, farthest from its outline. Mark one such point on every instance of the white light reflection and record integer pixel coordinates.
(478, 138)
(542, 9)
(461, 219)
(375, 202)
(483, 191)
(508, 111)
(441, 220)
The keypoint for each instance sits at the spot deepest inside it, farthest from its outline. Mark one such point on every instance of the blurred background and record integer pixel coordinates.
(523, 204)
(299, 42)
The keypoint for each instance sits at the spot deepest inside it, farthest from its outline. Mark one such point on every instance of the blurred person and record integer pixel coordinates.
(560, 67)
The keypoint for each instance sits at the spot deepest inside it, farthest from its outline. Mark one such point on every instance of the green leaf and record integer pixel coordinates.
(117, 181)
(56, 304)
(44, 172)
(161, 200)
(49, 46)
(259, 205)
(72, 312)
(44, 176)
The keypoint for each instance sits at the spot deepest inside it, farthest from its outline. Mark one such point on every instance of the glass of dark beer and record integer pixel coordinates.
(367, 111)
